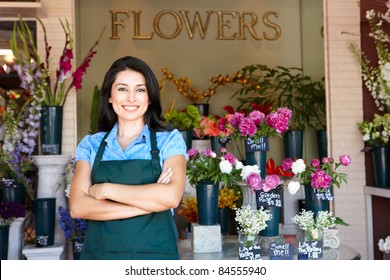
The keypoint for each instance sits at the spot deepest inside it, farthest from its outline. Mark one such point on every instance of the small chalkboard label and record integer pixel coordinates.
(326, 194)
(50, 149)
(311, 250)
(260, 145)
(281, 251)
(271, 198)
(249, 252)
(42, 240)
(78, 246)
(9, 182)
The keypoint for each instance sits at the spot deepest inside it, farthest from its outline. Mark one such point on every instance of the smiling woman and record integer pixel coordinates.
(131, 174)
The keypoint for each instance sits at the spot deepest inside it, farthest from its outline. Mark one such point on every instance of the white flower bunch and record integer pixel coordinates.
(384, 245)
(248, 169)
(305, 220)
(251, 222)
(376, 76)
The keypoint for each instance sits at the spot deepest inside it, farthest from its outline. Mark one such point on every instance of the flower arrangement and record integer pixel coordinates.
(34, 73)
(21, 116)
(189, 209)
(251, 222)
(282, 87)
(384, 245)
(228, 197)
(184, 85)
(214, 125)
(208, 166)
(74, 229)
(260, 122)
(314, 226)
(377, 132)
(320, 175)
(376, 75)
(9, 211)
(187, 119)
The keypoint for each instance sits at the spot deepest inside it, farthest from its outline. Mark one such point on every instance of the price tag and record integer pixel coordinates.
(272, 198)
(249, 252)
(281, 251)
(311, 250)
(260, 145)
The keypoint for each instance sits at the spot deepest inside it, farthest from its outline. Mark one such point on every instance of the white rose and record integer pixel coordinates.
(298, 166)
(225, 166)
(366, 137)
(293, 187)
(247, 169)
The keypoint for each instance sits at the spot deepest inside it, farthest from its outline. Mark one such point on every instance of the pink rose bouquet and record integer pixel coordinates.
(321, 175)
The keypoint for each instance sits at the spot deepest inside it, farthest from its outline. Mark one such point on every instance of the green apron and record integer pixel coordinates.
(147, 237)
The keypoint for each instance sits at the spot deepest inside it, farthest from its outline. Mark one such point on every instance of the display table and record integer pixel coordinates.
(230, 251)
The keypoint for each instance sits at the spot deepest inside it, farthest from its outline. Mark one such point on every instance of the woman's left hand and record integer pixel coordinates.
(165, 176)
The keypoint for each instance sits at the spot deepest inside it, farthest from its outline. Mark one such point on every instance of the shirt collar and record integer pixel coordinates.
(113, 135)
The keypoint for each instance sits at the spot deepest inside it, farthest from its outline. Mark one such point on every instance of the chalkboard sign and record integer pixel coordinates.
(310, 250)
(272, 198)
(249, 252)
(9, 182)
(260, 145)
(50, 149)
(326, 194)
(281, 251)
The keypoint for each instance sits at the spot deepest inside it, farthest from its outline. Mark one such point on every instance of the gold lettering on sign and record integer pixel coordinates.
(137, 28)
(227, 22)
(273, 25)
(222, 23)
(197, 23)
(249, 26)
(115, 23)
(156, 24)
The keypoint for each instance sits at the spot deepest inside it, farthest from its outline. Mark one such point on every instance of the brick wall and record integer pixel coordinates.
(345, 109)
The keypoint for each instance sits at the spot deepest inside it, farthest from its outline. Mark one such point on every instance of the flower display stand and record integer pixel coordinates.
(331, 238)
(206, 239)
(51, 170)
(290, 209)
(54, 252)
(16, 239)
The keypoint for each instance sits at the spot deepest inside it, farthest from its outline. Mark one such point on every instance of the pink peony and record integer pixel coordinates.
(320, 179)
(345, 160)
(270, 182)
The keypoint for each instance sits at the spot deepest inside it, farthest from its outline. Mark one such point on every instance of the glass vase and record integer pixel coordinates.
(386, 255)
(247, 240)
(313, 235)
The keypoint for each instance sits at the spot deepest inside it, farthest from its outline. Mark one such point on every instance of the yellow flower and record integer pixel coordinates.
(228, 198)
(189, 209)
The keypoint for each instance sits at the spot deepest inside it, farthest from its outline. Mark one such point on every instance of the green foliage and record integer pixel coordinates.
(94, 115)
(284, 87)
(187, 119)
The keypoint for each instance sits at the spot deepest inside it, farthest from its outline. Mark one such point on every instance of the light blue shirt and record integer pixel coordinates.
(169, 143)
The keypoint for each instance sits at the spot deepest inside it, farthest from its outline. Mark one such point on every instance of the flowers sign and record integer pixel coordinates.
(320, 175)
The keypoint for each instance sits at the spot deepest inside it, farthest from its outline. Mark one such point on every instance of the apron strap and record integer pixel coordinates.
(155, 154)
(100, 152)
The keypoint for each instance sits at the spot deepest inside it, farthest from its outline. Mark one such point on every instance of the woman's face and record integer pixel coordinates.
(129, 96)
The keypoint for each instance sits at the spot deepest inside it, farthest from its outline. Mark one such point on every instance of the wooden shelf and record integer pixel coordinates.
(383, 192)
(20, 4)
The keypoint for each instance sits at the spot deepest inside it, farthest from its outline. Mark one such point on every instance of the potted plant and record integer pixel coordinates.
(318, 178)
(206, 171)
(34, 74)
(9, 211)
(376, 136)
(250, 223)
(280, 87)
(184, 120)
(74, 229)
(20, 115)
(384, 246)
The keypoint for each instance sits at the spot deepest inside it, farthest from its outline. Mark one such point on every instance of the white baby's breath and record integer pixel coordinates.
(250, 221)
